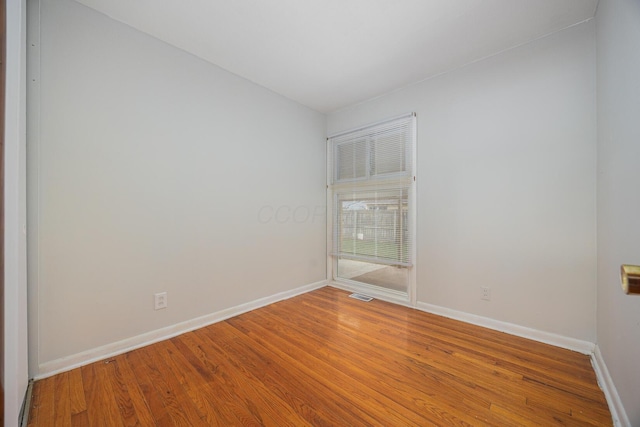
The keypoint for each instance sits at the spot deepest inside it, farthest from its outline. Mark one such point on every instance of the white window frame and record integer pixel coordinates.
(406, 298)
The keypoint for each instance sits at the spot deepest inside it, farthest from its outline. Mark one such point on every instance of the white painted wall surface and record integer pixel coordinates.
(160, 172)
(618, 34)
(15, 257)
(506, 183)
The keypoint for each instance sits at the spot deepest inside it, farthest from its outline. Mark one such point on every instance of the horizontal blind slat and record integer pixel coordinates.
(371, 180)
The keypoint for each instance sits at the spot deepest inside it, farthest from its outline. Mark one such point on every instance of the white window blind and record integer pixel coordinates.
(371, 170)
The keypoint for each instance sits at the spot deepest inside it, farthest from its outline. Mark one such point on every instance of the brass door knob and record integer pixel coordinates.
(630, 276)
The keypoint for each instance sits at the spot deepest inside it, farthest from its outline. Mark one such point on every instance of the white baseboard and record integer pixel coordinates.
(67, 363)
(605, 381)
(584, 347)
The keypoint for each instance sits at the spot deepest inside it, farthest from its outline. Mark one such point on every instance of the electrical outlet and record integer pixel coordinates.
(486, 293)
(160, 300)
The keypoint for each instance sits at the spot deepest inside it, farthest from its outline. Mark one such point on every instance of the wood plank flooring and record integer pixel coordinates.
(323, 359)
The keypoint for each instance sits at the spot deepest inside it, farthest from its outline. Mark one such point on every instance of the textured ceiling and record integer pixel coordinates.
(329, 54)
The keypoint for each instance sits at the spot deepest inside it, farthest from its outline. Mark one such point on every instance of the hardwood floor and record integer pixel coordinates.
(325, 359)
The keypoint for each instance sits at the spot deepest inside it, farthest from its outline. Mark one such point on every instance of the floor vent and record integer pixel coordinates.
(361, 297)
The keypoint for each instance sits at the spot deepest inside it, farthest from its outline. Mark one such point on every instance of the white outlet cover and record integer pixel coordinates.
(160, 300)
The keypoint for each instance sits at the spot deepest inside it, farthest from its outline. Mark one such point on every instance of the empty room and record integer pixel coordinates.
(408, 212)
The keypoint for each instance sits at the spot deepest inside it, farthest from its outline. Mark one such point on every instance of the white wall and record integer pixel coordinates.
(618, 34)
(15, 281)
(506, 183)
(157, 171)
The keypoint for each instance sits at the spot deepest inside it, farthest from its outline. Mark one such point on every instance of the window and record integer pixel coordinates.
(371, 188)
